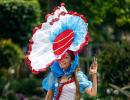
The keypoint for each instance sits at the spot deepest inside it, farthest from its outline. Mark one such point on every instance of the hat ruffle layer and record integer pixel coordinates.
(40, 54)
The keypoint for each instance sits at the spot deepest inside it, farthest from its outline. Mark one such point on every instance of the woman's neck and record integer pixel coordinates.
(66, 69)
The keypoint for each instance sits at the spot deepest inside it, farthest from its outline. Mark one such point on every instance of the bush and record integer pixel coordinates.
(27, 86)
(44, 8)
(114, 65)
(17, 18)
(2, 84)
(10, 54)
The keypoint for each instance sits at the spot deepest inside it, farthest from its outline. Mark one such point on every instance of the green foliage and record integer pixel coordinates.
(11, 96)
(27, 86)
(43, 6)
(114, 64)
(87, 97)
(17, 18)
(107, 19)
(10, 54)
(2, 84)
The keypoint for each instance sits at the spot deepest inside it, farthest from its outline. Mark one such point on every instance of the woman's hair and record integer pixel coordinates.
(74, 76)
(71, 53)
(77, 83)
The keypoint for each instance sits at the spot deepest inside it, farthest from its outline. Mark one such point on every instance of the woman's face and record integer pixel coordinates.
(65, 62)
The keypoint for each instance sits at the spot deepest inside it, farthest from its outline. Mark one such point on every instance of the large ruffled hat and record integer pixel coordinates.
(62, 31)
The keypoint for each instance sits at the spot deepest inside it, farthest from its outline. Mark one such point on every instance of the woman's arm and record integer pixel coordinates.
(92, 91)
(49, 95)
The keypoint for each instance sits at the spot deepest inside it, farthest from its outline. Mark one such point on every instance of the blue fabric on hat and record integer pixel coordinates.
(58, 72)
(75, 23)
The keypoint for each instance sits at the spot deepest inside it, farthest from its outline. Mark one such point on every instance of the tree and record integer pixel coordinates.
(17, 18)
(114, 65)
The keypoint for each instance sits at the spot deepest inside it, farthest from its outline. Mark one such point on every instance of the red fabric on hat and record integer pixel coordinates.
(63, 41)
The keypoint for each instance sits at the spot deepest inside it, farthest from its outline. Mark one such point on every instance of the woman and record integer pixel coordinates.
(66, 80)
(57, 42)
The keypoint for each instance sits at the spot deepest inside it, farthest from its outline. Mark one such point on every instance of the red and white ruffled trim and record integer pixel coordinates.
(40, 54)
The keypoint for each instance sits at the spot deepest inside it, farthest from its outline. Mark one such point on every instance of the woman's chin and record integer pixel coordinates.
(63, 67)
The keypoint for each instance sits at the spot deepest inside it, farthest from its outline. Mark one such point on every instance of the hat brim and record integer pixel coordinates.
(40, 53)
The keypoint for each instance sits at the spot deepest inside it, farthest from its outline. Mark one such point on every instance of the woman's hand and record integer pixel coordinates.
(93, 67)
(92, 91)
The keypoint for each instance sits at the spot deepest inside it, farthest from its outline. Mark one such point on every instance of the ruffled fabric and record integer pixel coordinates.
(83, 81)
(48, 82)
(58, 72)
(41, 53)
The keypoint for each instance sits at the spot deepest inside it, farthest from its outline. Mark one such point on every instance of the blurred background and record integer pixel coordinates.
(109, 27)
